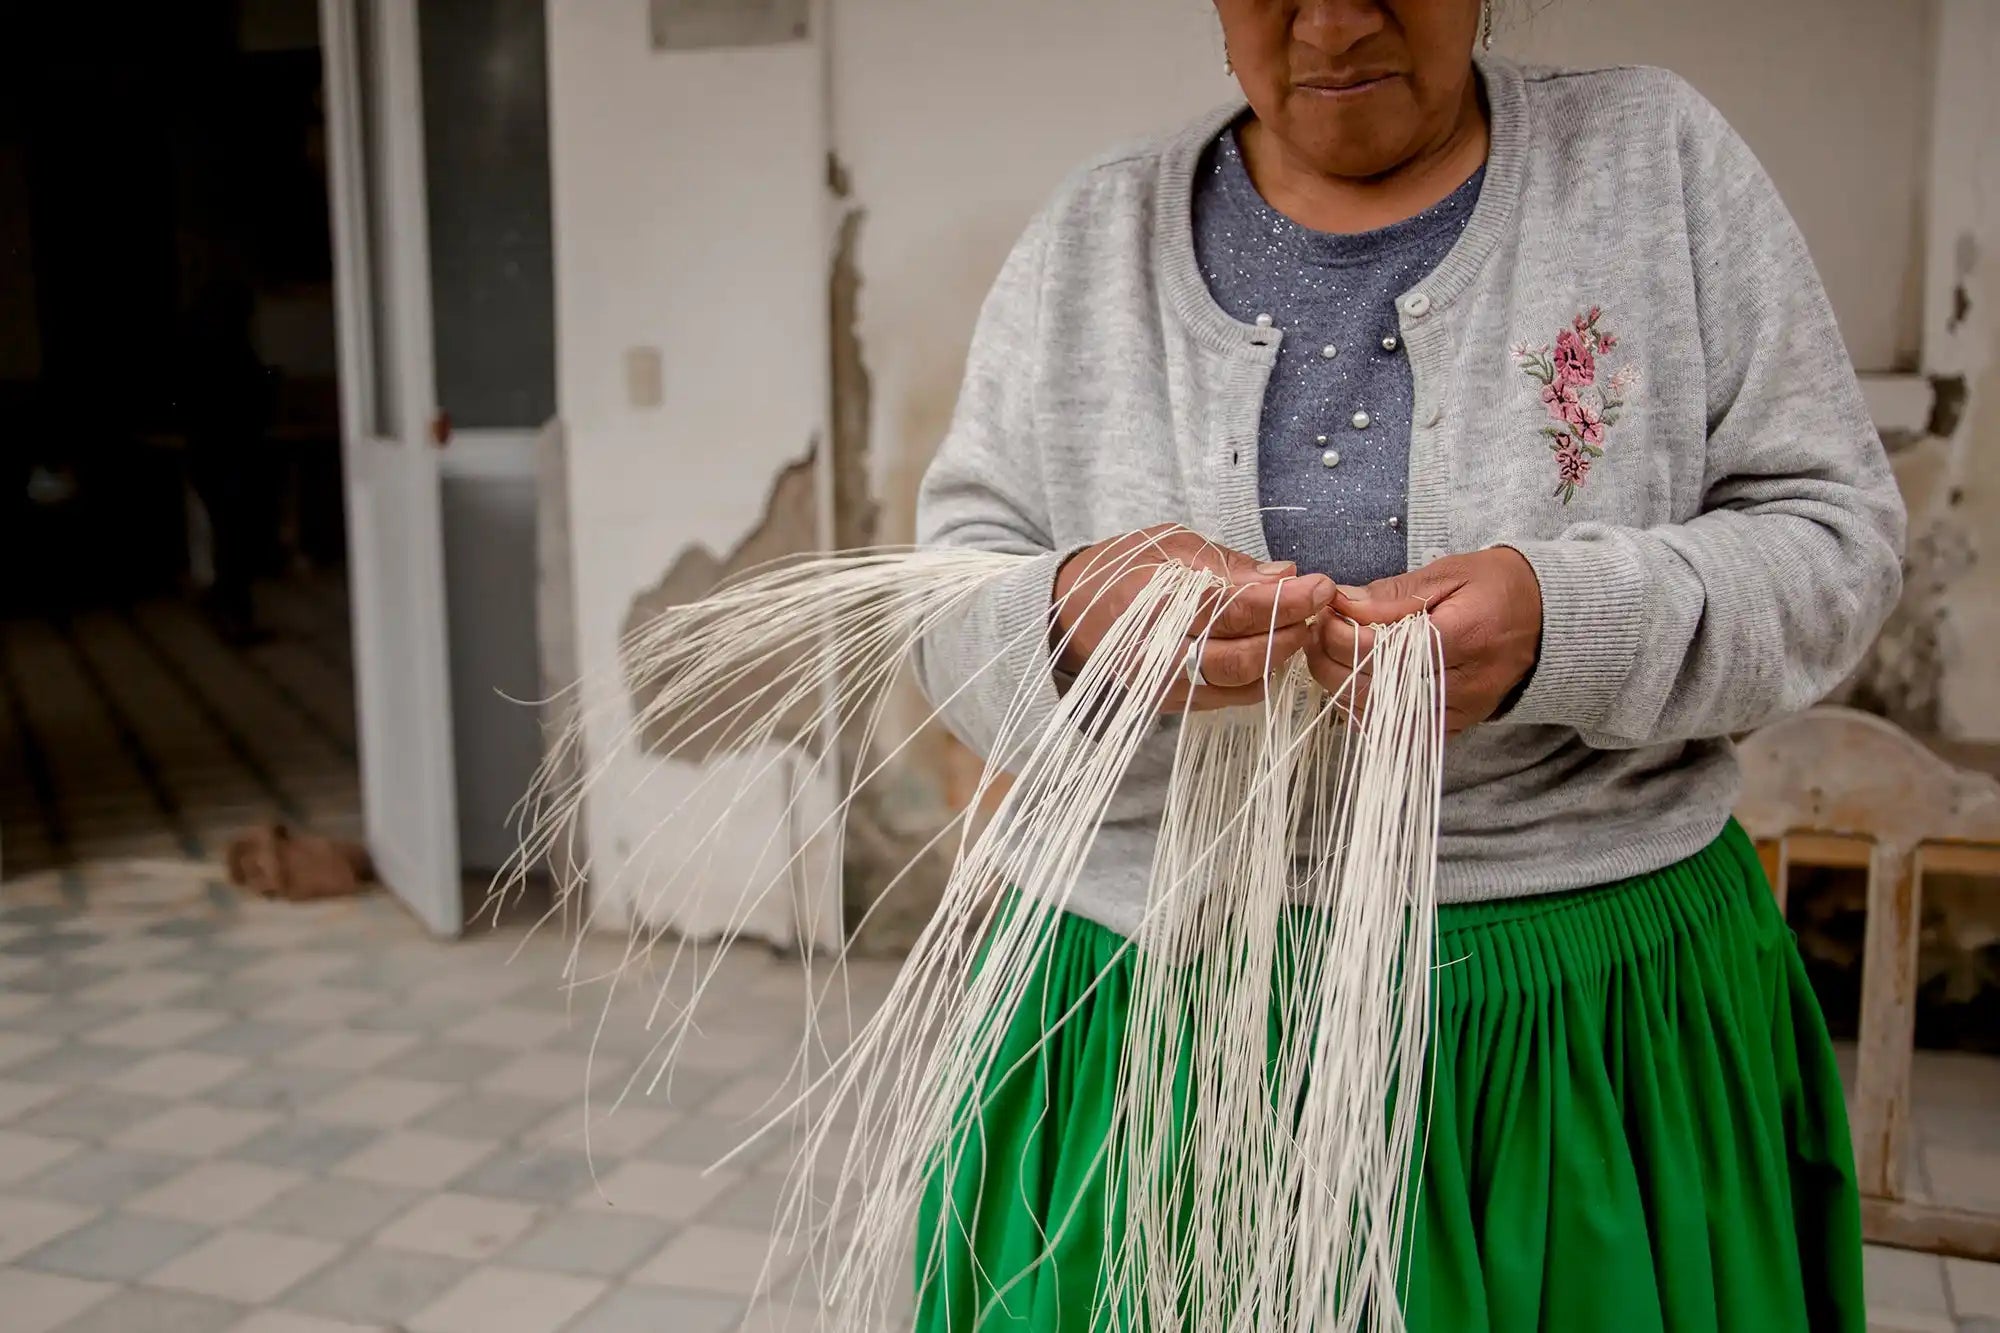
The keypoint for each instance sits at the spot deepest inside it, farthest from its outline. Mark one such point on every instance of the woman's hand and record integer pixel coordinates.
(1486, 608)
(1255, 624)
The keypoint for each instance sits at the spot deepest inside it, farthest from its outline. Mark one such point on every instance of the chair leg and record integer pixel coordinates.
(1888, 1022)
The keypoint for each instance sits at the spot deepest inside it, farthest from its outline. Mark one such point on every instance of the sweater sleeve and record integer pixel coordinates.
(1763, 602)
(988, 667)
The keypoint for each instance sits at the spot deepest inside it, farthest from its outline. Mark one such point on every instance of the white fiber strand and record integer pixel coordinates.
(1281, 975)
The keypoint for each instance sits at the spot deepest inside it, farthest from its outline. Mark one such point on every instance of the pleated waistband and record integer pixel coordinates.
(1717, 898)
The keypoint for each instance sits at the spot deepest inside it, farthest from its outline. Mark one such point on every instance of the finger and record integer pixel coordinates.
(1334, 680)
(1185, 546)
(1345, 642)
(1244, 571)
(1339, 680)
(1206, 698)
(1234, 565)
(1352, 698)
(1360, 605)
(1137, 553)
(1237, 662)
(1249, 610)
(1394, 598)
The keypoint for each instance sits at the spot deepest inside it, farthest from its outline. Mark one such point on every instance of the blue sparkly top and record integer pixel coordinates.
(1333, 446)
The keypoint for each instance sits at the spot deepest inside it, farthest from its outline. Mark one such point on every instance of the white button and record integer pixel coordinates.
(1417, 304)
(1263, 321)
(1331, 458)
(1329, 351)
(1359, 420)
(1389, 344)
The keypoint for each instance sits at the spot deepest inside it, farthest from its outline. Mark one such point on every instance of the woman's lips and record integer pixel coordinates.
(1343, 86)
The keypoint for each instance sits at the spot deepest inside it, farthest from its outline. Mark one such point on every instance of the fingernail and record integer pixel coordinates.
(1353, 594)
(1279, 567)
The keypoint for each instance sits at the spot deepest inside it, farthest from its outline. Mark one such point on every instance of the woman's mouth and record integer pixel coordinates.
(1344, 85)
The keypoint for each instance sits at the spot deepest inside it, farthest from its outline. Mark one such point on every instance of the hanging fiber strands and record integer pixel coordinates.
(1269, 1107)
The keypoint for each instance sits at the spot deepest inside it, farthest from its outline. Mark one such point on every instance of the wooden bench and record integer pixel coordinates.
(1836, 787)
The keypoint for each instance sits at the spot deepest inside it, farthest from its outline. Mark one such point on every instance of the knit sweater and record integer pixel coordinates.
(1333, 441)
(1626, 369)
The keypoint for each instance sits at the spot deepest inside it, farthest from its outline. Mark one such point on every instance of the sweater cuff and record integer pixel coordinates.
(1593, 614)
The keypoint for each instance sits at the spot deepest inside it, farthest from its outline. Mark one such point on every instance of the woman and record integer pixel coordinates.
(1541, 352)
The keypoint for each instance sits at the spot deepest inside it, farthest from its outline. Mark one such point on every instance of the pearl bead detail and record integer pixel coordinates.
(1389, 344)
(1359, 420)
(1331, 458)
(1263, 321)
(1329, 351)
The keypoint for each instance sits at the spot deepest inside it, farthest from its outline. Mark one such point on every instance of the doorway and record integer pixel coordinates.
(276, 344)
(175, 664)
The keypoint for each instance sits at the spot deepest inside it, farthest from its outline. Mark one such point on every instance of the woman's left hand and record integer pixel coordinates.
(1486, 608)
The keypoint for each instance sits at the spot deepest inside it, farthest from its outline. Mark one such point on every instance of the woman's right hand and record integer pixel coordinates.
(1252, 626)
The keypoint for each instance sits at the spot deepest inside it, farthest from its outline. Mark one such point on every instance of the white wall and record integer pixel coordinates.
(956, 119)
(1834, 98)
(689, 215)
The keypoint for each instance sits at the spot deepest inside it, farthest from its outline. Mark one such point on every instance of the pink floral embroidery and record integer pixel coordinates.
(1580, 408)
(1574, 362)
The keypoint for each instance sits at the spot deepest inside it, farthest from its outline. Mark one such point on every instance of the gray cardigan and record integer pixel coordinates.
(1626, 369)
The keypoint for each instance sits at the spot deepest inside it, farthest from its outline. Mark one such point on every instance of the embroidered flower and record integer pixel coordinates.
(1585, 417)
(1559, 398)
(1582, 410)
(1574, 363)
(1572, 466)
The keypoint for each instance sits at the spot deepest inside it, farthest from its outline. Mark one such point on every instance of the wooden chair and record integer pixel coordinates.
(1836, 787)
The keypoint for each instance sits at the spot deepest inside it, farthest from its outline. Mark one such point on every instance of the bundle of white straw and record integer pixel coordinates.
(1267, 1121)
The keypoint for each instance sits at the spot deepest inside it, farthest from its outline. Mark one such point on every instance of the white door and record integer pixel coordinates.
(374, 115)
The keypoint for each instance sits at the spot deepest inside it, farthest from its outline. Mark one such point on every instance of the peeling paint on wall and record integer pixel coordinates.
(1903, 675)
(895, 819)
(854, 508)
(788, 526)
(1947, 405)
(931, 778)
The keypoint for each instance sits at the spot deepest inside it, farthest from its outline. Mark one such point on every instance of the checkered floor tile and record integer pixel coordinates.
(219, 1115)
(223, 1114)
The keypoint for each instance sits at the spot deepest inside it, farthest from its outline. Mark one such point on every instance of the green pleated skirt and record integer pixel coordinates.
(1636, 1126)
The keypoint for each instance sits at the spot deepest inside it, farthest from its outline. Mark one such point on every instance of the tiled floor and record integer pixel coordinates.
(226, 1116)
(140, 733)
(222, 1114)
